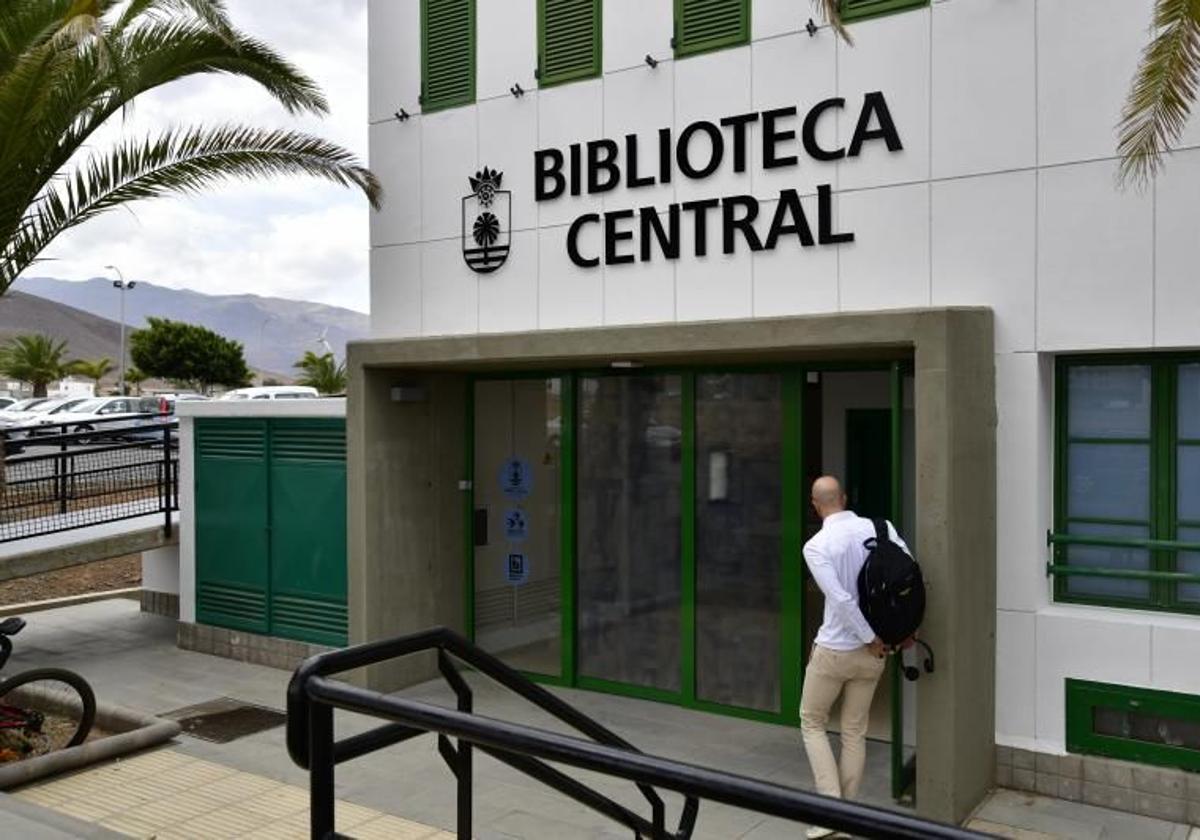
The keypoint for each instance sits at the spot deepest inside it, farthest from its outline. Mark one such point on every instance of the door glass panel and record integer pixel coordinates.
(516, 522)
(1189, 482)
(739, 426)
(1189, 561)
(1189, 401)
(627, 527)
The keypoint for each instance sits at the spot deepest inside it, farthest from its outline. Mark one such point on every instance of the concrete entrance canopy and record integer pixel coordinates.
(407, 459)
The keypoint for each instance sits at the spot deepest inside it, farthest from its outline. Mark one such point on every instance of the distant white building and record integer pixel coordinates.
(69, 387)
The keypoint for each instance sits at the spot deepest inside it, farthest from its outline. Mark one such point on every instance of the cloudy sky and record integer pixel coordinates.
(295, 238)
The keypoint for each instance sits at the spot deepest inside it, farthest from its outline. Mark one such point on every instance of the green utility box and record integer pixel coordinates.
(271, 526)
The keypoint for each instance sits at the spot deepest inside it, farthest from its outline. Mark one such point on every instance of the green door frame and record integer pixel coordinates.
(793, 575)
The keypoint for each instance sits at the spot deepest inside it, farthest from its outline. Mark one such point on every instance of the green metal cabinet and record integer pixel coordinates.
(271, 527)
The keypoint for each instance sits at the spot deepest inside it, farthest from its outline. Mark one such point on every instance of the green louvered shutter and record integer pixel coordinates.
(447, 53)
(703, 25)
(859, 9)
(568, 40)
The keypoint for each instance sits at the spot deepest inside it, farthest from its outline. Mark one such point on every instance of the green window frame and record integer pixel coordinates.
(705, 25)
(447, 54)
(1083, 698)
(853, 10)
(569, 41)
(1171, 541)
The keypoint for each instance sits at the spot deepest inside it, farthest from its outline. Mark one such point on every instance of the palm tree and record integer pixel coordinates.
(68, 66)
(135, 377)
(1163, 91)
(36, 359)
(322, 372)
(94, 370)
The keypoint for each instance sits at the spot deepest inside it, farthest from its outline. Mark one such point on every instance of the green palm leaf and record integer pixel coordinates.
(1164, 90)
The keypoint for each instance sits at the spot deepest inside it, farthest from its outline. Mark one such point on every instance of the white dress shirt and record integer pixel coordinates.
(834, 556)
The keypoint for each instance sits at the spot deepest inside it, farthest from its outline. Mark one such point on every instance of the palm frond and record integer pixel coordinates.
(1163, 92)
(212, 13)
(831, 13)
(175, 162)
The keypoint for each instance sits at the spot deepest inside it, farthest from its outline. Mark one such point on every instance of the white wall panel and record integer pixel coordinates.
(984, 250)
(569, 114)
(396, 161)
(1174, 653)
(1087, 53)
(709, 87)
(1024, 387)
(640, 293)
(450, 155)
(507, 133)
(1095, 261)
(887, 265)
(505, 46)
(1177, 284)
(634, 29)
(792, 279)
(449, 290)
(796, 71)
(569, 296)
(508, 297)
(984, 87)
(890, 54)
(1016, 683)
(394, 57)
(639, 101)
(769, 18)
(396, 291)
(716, 287)
(1113, 648)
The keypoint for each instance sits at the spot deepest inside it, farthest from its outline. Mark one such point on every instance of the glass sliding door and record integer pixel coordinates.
(629, 450)
(738, 522)
(517, 521)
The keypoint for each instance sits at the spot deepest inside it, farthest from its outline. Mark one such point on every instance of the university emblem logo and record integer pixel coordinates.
(486, 222)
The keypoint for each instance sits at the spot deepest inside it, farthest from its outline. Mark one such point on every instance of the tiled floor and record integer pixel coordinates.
(170, 795)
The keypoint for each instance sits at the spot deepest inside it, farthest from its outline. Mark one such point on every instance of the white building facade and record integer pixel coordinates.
(961, 153)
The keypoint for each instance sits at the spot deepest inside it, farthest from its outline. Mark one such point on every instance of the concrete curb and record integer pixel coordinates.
(136, 731)
(133, 593)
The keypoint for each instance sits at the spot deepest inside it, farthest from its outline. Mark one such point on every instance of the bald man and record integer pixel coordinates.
(848, 658)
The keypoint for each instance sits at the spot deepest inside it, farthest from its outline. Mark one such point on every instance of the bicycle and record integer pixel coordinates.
(43, 709)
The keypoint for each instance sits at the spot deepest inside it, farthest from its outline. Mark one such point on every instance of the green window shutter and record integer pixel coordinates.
(568, 40)
(704, 25)
(859, 9)
(447, 53)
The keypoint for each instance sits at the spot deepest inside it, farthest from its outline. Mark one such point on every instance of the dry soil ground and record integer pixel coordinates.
(118, 573)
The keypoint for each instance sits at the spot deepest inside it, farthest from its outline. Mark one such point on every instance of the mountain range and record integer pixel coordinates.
(275, 332)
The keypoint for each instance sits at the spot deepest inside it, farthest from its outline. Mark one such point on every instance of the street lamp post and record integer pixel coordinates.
(123, 286)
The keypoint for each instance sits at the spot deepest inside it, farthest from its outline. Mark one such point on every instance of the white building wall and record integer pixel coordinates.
(1003, 196)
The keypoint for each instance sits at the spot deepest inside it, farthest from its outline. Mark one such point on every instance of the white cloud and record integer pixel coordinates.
(297, 238)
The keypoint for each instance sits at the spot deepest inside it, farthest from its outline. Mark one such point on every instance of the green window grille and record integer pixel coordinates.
(447, 53)
(1134, 724)
(859, 9)
(568, 41)
(1127, 482)
(705, 25)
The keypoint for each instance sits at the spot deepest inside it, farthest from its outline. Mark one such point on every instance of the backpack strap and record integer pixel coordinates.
(881, 532)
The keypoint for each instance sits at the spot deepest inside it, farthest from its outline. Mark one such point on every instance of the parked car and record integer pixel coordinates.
(5, 402)
(88, 415)
(273, 392)
(47, 413)
(19, 409)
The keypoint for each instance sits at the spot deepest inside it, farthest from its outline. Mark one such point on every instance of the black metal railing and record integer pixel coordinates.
(72, 475)
(312, 697)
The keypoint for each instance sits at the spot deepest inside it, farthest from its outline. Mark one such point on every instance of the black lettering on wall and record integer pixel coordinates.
(576, 168)
(547, 166)
(875, 105)
(739, 124)
(668, 240)
(699, 210)
(612, 236)
(743, 223)
(810, 131)
(602, 159)
(573, 241)
(825, 219)
(682, 151)
(789, 218)
(772, 136)
(664, 155)
(632, 179)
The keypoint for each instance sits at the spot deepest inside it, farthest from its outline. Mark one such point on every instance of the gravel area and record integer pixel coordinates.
(100, 576)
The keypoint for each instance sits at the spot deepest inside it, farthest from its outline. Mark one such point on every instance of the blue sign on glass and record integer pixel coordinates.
(516, 526)
(516, 478)
(517, 571)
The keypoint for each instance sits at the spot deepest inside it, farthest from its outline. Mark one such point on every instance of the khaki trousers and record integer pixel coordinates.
(854, 675)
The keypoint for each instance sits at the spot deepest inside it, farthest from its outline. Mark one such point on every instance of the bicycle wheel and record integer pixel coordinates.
(44, 710)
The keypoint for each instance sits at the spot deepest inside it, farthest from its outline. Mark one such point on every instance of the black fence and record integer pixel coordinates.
(67, 476)
(313, 696)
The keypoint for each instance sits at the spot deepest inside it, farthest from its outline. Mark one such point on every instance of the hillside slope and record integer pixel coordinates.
(88, 336)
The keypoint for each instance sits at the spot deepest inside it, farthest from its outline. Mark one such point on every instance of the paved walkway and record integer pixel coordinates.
(131, 659)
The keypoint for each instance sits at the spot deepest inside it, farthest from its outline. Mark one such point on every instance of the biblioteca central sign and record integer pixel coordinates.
(600, 166)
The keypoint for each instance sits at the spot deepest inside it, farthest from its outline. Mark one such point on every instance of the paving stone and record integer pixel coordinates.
(1120, 774)
(1095, 793)
(1023, 779)
(1070, 766)
(1095, 770)
(1070, 789)
(1163, 781)
(1045, 763)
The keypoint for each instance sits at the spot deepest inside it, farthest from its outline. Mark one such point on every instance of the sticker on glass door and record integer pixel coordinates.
(517, 571)
(516, 478)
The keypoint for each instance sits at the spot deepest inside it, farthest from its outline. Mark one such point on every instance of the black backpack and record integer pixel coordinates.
(891, 590)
